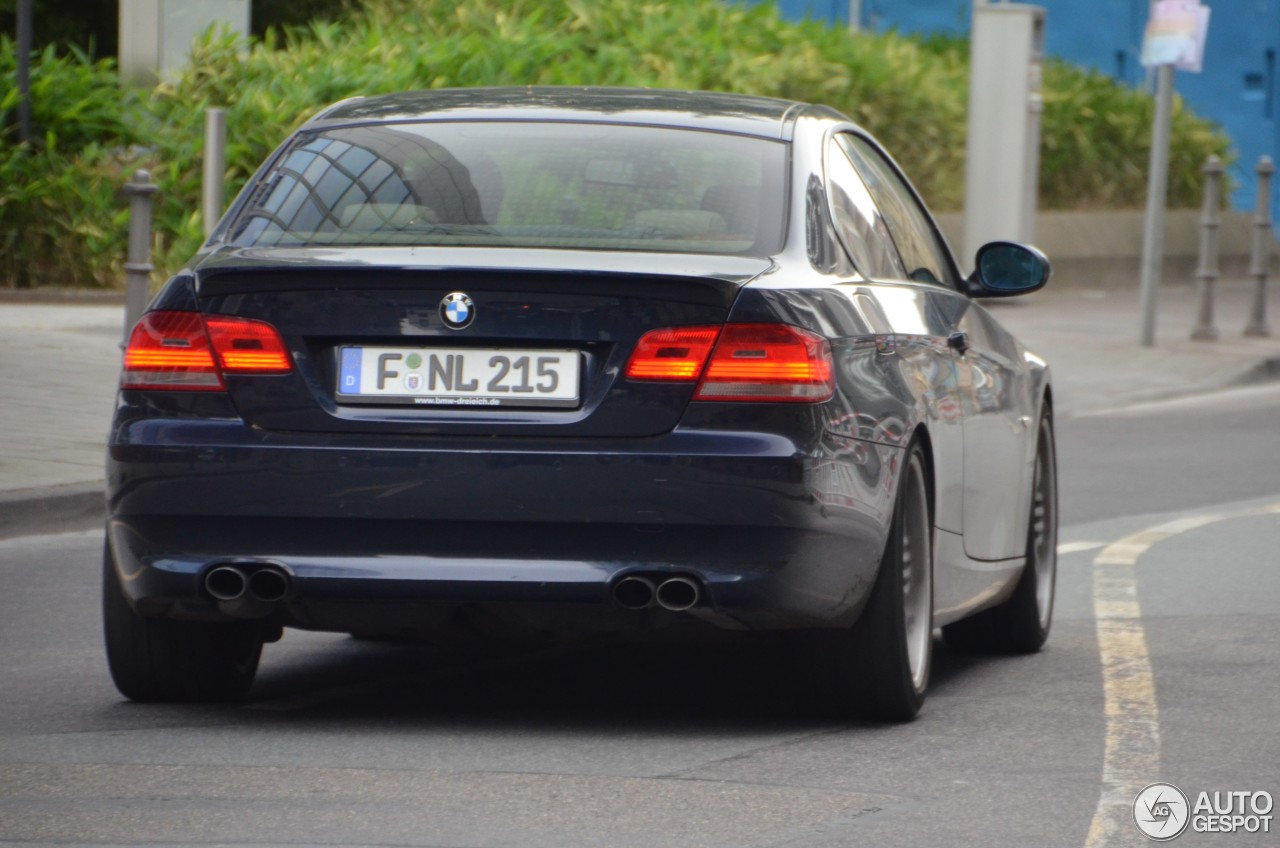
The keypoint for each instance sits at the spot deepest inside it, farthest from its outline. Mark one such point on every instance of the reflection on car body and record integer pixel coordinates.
(585, 360)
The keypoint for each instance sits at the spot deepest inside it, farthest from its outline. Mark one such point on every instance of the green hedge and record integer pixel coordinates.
(1095, 138)
(59, 213)
(911, 94)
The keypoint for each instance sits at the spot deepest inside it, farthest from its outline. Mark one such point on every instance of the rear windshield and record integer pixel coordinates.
(562, 185)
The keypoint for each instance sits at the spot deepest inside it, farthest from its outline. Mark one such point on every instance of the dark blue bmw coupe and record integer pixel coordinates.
(580, 360)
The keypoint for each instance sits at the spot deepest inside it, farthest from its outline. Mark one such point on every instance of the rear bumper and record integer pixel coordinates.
(404, 534)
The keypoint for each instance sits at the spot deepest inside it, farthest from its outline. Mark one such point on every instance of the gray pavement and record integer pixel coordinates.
(1090, 338)
(59, 363)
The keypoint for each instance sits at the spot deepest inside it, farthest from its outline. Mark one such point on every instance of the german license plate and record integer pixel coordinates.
(459, 376)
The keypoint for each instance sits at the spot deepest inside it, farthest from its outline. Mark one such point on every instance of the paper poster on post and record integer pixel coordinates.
(1176, 34)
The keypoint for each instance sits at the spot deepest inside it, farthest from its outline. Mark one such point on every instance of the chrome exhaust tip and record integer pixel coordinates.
(226, 583)
(633, 593)
(678, 594)
(268, 585)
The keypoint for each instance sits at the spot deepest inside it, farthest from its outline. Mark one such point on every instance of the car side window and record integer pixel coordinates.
(922, 251)
(861, 227)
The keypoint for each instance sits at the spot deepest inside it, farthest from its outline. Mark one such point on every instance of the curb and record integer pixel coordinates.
(52, 509)
(1267, 369)
(1263, 371)
(71, 297)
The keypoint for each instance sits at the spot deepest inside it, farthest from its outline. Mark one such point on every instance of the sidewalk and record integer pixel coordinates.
(59, 364)
(1090, 338)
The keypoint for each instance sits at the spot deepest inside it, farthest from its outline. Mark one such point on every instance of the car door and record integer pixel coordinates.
(990, 368)
(908, 310)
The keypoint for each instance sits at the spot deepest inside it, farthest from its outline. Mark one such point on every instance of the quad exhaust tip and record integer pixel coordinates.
(634, 593)
(678, 594)
(247, 591)
(674, 594)
(226, 583)
(268, 585)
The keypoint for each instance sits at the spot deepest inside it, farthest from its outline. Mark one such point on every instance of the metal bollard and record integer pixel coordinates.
(1261, 253)
(215, 166)
(1207, 270)
(137, 266)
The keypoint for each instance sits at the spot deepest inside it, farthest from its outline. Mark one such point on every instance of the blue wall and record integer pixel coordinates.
(819, 10)
(1237, 88)
(926, 16)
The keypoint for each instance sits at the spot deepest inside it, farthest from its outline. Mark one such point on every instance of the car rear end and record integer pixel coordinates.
(480, 376)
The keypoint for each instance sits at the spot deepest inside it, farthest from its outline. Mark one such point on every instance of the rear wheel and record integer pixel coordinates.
(161, 659)
(881, 666)
(1021, 624)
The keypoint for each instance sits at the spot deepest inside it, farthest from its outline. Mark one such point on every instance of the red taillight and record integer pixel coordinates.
(739, 362)
(170, 350)
(247, 347)
(774, 362)
(678, 354)
(187, 352)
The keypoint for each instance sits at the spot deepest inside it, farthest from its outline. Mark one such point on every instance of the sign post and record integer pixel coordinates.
(1157, 197)
(24, 45)
(1174, 38)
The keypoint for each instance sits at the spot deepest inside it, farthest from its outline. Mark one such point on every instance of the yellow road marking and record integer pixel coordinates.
(1132, 756)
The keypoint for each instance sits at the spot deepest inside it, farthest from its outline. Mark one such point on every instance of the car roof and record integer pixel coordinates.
(766, 117)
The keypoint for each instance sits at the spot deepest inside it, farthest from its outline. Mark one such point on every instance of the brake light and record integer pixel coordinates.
(170, 350)
(674, 354)
(738, 362)
(248, 347)
(768, 362)
(188, 352)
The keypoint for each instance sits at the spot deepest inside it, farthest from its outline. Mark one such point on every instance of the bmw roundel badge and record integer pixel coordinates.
(457, 310)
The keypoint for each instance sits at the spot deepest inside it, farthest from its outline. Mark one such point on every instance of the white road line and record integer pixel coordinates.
(1132, 756)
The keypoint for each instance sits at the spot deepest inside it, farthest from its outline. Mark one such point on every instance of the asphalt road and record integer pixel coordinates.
(1160, 668)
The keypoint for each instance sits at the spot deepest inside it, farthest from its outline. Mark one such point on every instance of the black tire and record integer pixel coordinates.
(880, 668)
(162, 659)
(1021, 624)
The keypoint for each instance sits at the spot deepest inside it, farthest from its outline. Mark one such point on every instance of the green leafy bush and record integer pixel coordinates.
(1095, 138)
(1096, 142)
(60, 220)
(911, 94)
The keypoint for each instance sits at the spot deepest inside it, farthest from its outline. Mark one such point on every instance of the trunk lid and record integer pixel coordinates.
(535, 316)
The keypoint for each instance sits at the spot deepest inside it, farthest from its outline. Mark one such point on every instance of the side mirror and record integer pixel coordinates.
(1004, 268)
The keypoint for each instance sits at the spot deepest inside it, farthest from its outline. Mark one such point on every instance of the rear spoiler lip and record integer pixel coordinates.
(731, 268)
(683, 277)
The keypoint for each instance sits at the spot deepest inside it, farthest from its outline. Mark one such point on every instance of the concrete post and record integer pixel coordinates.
(1261, 253)
(1002, 152)
(156, 35)
(137, 266)
(1207, 271)
(215, 167)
